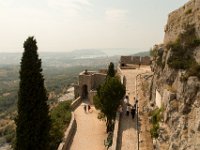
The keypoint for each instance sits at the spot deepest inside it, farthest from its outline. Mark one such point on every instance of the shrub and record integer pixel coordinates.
(154, 131)
(155, 118)
(182, 52)
(194, 70)
(153, 53)
(60, 119)
(189, 11)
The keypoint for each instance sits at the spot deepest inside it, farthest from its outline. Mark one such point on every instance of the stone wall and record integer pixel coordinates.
(130, 59)
(85, 80)
(76, 91)
(91, 96)
(70, 132)
(116, 133)
(134, 60)
(76, 103)
(98, 79)
(68, 135)
(188, 14)
(145, 60)
(92, 80)
(180, 127)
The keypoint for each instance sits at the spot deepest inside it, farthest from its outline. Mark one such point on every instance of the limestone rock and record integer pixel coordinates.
(180, 99)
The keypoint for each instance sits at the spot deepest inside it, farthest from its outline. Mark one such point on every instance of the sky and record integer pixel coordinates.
(66, 25)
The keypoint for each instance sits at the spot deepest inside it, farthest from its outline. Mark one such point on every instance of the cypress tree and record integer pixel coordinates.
(33, 122)
(111, 70)
(108, 99)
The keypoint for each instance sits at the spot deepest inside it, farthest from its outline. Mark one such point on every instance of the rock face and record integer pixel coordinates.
(180, 97)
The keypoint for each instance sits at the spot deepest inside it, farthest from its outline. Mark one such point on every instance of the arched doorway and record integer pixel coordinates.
(84, 92)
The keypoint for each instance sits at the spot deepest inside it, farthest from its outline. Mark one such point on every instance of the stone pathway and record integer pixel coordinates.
(127, 133)
(90, 133)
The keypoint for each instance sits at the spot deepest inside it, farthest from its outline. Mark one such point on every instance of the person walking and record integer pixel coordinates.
(85, 108)
(133, 109)
(127, 110)
(125, 100)
(89, 107)
(127, 97)
(120, 109)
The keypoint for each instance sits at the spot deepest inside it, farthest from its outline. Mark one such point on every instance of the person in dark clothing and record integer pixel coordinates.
(127, 110)
(133, 111)
(89, 107)
(85, 108)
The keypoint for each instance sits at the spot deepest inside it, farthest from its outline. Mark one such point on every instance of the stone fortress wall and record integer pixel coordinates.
(189, 14)
(134, 60)
(130, 59)
(180, 99)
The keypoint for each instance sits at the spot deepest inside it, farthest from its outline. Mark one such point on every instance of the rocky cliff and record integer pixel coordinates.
(176, 82)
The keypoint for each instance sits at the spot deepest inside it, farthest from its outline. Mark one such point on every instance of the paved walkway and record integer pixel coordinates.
(90, 133)
(128, 134)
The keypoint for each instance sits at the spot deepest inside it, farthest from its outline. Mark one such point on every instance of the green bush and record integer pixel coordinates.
(189, 11)
(154, 131)
(182, 52)
(194, 70)
(8, 133)
(155, 118)
(153, 53)
(60, 119)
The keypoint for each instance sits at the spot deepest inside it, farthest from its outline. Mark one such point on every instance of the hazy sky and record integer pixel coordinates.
(65, 25)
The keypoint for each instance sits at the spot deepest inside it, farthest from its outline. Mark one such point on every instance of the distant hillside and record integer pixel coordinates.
(145, 53)
(69, 58)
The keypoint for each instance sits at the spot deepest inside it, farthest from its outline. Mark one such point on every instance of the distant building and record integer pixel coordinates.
(88, 82)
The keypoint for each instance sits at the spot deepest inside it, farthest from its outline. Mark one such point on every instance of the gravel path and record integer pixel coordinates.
(90, 133)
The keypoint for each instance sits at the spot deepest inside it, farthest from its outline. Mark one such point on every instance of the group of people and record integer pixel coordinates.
(130, 109)
(87, 108)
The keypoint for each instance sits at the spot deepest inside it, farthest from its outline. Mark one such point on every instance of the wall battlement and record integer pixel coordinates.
(134, 60)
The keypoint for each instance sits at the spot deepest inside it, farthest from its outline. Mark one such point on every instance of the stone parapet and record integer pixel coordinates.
(70, 132)
(116, 132)
(134, 61)
(76, 103)
(68, 135)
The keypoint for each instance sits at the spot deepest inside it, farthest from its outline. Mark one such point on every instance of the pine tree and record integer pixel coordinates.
(111, 70)
(33, 121)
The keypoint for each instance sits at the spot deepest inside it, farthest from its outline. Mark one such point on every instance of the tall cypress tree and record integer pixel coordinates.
(33, 122)
(111, 70)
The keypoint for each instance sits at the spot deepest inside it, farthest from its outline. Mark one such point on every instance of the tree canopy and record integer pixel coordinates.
(111, 70)
(33, 122)
(108, 99)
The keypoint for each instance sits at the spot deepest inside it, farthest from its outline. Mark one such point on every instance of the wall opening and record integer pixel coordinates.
(84, 92)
